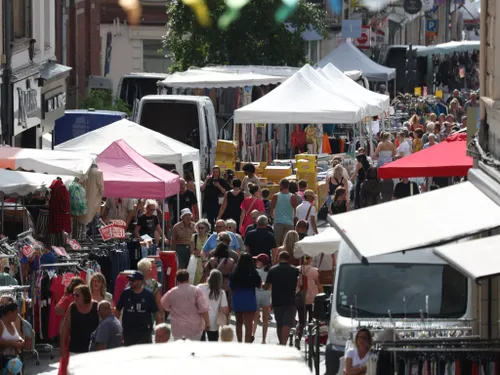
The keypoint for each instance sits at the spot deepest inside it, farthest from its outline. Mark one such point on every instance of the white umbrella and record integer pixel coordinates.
(327, 242)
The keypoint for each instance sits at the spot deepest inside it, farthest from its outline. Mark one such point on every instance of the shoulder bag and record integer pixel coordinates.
(221, 319)
(300, 296)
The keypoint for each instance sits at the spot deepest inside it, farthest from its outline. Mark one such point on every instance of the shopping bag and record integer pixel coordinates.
(191, 268)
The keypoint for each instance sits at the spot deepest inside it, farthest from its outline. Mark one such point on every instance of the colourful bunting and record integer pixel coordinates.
(200, 10)
(286, 10)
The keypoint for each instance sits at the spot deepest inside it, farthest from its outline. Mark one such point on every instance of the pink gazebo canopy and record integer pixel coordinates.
(129, 175)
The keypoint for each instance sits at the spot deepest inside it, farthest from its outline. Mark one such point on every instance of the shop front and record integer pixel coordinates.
(27, 111)
(53, 95)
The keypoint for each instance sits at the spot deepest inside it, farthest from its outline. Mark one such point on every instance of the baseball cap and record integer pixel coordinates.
(185, 211)
(136, 275)
(264, 258)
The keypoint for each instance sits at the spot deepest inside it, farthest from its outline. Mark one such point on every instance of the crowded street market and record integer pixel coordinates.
(340, 216)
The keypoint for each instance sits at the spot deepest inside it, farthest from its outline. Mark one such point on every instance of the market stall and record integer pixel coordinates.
(46, 161)
(346, 56)
(326, 242)
(155, 147)
(129, 175)
(439, 214)
(446, 159)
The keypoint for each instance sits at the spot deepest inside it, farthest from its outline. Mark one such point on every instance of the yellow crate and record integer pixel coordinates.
(240, 175)
(225, 165)
(313, 176)
(310, 157)
(223, 156)
(306, 167)
(226, 147)
(277, 173)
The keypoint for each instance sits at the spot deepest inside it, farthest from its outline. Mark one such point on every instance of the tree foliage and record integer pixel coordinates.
(254, 39)
(103, 100)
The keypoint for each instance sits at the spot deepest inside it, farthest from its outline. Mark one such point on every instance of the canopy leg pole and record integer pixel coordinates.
(3, 210)
(370, 137)
(164, 227)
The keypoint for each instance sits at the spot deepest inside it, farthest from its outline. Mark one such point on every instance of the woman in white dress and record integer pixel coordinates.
(356, 359)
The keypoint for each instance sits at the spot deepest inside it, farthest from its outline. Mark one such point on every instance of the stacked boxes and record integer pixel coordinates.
(225, 156)
(306, 170)
(277, 173)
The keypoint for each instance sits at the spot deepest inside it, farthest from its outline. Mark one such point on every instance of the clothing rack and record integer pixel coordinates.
(12, 288)
(53, 265)
(25, 233)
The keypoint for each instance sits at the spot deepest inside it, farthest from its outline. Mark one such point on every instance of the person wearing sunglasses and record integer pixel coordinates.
(81, 320)
(356, 359)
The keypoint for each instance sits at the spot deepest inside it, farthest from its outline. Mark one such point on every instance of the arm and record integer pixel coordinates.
(348, 206)
(349, 370)
(273, 204)
(204, 185)
(196, 212)
(60, 308)
(355, 171)
(65, 333)
(129, 217)
(160, 314)
(377, 150)
(223, 206)
(313, 224)
(293, 201)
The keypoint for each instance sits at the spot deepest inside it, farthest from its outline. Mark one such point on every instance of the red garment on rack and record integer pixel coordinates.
(342, 145)
(326, 149)
(169, 262)
(59, 216)
(299, 138)
(57, 290)
(120, 285)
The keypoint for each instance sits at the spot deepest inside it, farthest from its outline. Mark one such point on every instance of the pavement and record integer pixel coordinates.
(48, 365)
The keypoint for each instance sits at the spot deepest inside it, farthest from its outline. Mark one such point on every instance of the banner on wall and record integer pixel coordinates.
(364, 41)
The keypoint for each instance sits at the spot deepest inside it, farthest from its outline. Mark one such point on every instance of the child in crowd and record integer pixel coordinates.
(267, 203)
(301, 227)
(226, 334)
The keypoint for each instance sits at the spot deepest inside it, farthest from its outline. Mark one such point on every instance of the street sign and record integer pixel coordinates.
(363, 42)
(412, 6)
(431, 27)
(351, 28)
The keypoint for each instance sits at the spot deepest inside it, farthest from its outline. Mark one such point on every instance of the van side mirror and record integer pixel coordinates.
(321, 307)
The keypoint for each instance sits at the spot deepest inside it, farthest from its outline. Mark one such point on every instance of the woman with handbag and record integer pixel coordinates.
(262, 263)
(249, 205)
(217, 300)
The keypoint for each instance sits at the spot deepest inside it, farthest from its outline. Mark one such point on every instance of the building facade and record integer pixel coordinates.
(133, 48)
(34, 92)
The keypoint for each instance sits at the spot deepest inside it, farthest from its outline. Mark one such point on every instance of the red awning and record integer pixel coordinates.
(446, 159)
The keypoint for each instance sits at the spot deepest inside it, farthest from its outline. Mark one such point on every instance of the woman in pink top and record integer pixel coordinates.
(250, 204)
(188, 309)
(313, 287)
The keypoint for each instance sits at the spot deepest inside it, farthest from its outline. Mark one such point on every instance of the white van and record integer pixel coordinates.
(188, 119)
(386, 283)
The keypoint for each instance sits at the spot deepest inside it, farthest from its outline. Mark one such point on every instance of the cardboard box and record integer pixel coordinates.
(226, 147)
(306, 166)
(225, 165)
(277, 173)
(223, 156)
(310, 157)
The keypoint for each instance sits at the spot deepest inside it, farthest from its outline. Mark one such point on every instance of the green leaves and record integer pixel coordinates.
(249, 35)
(103, 100)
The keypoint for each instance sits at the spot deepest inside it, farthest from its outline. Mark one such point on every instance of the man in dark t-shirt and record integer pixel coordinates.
(260, 241)
(405, 188)
(137, 304)
(187, 199)
(282, 280)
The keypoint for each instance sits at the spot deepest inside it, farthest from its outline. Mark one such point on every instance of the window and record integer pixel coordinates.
(313, 51)
(402, 288)
(154, 61)
(21, 11)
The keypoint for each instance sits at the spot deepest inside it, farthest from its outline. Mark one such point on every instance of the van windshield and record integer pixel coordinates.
(377, 288)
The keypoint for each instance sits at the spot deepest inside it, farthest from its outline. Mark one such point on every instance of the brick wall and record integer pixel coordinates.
(83, 45)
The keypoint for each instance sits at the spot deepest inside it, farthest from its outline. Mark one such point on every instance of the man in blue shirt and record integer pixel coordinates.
(211, 244)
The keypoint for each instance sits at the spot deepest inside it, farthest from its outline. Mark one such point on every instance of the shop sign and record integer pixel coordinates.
(26, 105)
(363, 42)
(412, 6)
(431, 27)
(54, 104)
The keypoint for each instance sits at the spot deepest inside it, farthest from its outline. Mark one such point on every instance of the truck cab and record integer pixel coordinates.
(188, 119)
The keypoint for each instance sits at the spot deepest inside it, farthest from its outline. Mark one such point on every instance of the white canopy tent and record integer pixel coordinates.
(450, 221)
(476, 259)
(213, 78)
(15, 183)
(275, 71)
(155, 147)
(375, 103)
(326, 242)
(450, 47)
(301, 99)
(348, 57)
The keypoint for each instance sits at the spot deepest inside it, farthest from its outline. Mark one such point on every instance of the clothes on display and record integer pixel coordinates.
(59, 213)
(94, 187)
(457, 70)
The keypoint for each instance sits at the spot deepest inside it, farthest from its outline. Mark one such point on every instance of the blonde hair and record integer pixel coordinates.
(338, 172)
(151, 202)
(145, 265)
(226, 334)
(291, 238)
(454, 101)
(385, 136)
(102, 279)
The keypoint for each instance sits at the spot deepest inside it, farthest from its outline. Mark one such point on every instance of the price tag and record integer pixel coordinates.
(67, 278)
(28, 251)
(118, 232)
(61, 251)
(418, 91)
(439, 94)
(74, 245)
(106, 232)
